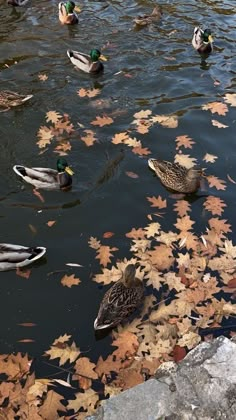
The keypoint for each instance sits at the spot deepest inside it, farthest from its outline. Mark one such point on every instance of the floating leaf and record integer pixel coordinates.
(213, 181)
(132, 174)
(70, 281)
(210, 158)
(157, 202)
(216, 108)
(90, 93)
(184, 141)
(89, 139)
(101, 121)
(50, 223)
(42, 77)
(53, 116)
(230, 98)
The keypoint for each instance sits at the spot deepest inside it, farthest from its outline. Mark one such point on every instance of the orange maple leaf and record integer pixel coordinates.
(142, 151)
(104, 254)
(184, 141)
(215, 205)
(101, 121)
(185, 223)
(216, 182)
(216, 107)
(219, 225)
(157, 202)
(182, 207)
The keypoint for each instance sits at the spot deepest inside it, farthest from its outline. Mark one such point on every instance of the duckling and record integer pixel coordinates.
(87, 63)
(202, 40)
(17, 2)
(16, 256)
(144, 20)
(175, 177)
(47, 178)
(9, 99)
(121, 300)
(67, 14)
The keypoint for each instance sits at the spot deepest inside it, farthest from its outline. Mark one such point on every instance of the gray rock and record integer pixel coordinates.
(201, 387)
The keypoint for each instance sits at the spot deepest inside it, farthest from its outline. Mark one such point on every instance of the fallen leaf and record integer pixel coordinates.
(63, 352)
(210, 158)
(104, 254)
(184, 141)
(179, 353)
(50, 223)
(215, 205)
(132, 174)
(108, 234)
(218, 124)
(53, 116)
(216, 108)
(230, 98)
(23, 273)
(185, 160)
(135, 233)
(184, 224)
(84, 367)
(157, 202)
(142, 114)
(45, 136)
(51, 405)
(94, 243)
(42, 77)
(142, 151)
(216, 182)
(168, 121)
(101, 121)
(89, 139)
(90, 93)
(70, 281)
(119, 138)
(182, 207)
(219, 225)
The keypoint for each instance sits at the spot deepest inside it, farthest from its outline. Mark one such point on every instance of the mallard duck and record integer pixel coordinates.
(175, 177)
(87, 63)
(17, 2)
(67, 14)
(9, 99)
(120, 300)
(47, 178)
(144, 20)
(202, 41)
(16, 256)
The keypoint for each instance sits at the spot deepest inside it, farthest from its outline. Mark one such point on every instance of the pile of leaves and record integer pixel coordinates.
(185, 274)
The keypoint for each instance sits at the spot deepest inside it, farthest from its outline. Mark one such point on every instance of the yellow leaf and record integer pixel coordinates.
(64, 353)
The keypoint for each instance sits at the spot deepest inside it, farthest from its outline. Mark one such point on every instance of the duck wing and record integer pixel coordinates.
(39, 177)
(13, 256)
(80, 60)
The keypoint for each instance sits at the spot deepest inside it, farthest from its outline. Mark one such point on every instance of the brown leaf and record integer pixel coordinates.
(45, 136)
(210, 158)
(23, 273)
(101, 121)
(184, 141)
(157, 202)
(90, 93)
(136, 234)
(127, 344)
(119, 138)
(86, 400)
(63, 352)
(70, 281)
(215, 205)
(94, 243)
(216, 108)
(128, 378)
(182, 207)
(218, 124)
(42, 77)
(179, 353)
(216, 182)
(141, 151)
(143, 114)
(230, 98)
(89, 139)
(219, 225)
(51, 405)
(168, 121)
(53, 116)
(185, 160)
(185, 223)
(15, 366)
(108, 234)
(232, 283)
(132, 174)
(50, 223)
(84, 367)
(104, 254)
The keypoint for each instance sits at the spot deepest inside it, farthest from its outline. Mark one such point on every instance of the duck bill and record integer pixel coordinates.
(102, 57)
(69, 171)
(210, 39)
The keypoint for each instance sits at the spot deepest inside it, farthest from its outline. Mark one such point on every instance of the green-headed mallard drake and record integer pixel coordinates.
(16, 256)
(88, 63)
(144, 20)
(175, 177)
(121, 300)
(202, 41)
(9, 99)
(47, 178)
(17, 2)
(67, 14)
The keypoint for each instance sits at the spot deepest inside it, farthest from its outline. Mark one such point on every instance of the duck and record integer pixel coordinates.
(9, 99)
(176, 177)
(47, 178)
(144, 20)
(202, 40)
(17, 2)
(17, 256)
(88, 63)
(67, 14)
(121, 300)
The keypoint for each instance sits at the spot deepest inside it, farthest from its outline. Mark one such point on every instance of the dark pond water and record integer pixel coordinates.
(165, 75)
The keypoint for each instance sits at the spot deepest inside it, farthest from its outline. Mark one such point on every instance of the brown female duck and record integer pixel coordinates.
(145, 20)
(175, 177)
(121, 300)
